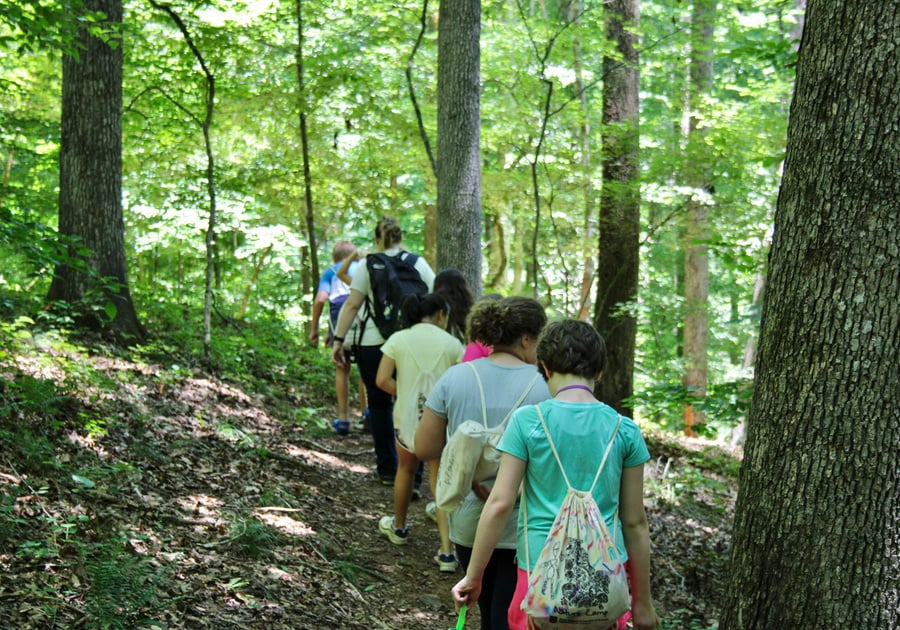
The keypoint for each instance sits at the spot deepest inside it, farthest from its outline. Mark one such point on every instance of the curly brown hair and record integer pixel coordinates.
(502, 322)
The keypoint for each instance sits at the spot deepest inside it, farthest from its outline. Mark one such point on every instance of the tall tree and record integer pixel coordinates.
(304, 148)
(205, 124)
(817, 526)
(458, 138)
(698, 170)
(90, 177)
(620, 204)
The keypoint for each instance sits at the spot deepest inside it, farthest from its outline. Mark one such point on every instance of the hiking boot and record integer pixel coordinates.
(395, 535)
(447, 562)
(342, 427)
(431, 511)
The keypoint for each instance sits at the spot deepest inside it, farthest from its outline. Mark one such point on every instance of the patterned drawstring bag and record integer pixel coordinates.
(579, 579)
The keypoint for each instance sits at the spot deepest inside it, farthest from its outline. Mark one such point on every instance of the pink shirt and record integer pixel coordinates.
(476, 350)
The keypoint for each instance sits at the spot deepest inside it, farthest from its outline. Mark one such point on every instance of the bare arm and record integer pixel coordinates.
(490, 526)
(345, 319)
(385, 376)
(636, 532)
(431, 436)
(318, 306)
(343, 271)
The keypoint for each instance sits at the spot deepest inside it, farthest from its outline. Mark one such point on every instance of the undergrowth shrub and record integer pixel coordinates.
(725, 404)
(122, 588)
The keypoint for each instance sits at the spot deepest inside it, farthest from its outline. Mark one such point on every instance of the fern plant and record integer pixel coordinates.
(121, 588)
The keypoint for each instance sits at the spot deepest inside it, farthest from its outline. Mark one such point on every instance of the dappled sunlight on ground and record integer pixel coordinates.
(274, 517)
(313, 456)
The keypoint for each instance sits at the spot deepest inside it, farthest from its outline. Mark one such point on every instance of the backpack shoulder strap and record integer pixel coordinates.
(521, 399)
(559, 461)
(565, 477)
(606, 454)
(480, 391)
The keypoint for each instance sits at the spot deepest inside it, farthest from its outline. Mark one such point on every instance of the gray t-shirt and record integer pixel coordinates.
(456, 398)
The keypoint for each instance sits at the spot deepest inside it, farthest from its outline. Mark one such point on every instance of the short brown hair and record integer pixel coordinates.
(341, 250)
(569, 346)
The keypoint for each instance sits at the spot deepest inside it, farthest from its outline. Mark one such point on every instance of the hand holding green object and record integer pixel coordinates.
(461, 620)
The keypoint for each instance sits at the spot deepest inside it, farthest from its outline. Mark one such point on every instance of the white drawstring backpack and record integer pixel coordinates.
(579, 579)
(471, 454)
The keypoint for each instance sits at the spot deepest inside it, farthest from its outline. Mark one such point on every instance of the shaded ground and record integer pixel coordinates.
(199, 508)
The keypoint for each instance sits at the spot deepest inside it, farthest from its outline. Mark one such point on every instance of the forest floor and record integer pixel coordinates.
(200, 507)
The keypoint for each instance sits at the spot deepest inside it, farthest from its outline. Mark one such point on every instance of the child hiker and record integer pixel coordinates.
(571, 356)
(509, 378)
(419, 353)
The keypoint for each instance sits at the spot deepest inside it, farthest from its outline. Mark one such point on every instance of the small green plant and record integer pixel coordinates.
(231, 433)
(251, 537)
(121, 587)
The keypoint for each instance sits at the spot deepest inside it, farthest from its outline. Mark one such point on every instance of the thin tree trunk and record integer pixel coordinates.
(423, 133)
(698, 172)
(584, 136)
(304, 141)
(205, 125)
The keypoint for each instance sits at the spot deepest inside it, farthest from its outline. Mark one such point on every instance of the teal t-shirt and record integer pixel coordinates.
(580, 432)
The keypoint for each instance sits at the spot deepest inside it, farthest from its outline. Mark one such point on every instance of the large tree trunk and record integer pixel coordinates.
(817, 526)
(459, 129)
(90, 179)
(698, 170)
(620, 203)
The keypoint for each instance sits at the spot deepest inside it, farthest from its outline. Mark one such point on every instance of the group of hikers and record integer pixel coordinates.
(557, 532)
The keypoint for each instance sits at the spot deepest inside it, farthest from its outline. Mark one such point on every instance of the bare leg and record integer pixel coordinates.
(342, 388)
(403, 484)
(442, 522)
(363, 401)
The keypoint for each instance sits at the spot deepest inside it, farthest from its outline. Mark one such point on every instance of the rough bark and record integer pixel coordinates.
(619, 242)
(459, 129)
(817, 524)
(90, 179)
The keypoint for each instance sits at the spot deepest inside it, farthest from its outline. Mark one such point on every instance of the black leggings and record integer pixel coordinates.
(498, 585)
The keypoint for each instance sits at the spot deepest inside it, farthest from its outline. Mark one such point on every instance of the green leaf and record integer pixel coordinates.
(83, 481)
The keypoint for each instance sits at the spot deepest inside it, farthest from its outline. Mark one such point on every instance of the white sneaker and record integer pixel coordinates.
(447, 562)
(431, 511)
(395, 535)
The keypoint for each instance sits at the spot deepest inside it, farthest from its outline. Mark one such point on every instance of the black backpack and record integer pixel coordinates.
(392, 278)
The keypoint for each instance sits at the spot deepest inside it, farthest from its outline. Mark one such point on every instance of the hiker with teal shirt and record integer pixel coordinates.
(591, 444)
(360, 303)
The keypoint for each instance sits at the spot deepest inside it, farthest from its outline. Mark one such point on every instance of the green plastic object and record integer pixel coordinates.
(461, 620)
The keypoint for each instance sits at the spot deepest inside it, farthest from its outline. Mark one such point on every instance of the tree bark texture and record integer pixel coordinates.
(698, 170)
(459, 129)
(620, 205)
(90, 175)
(817, 526)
